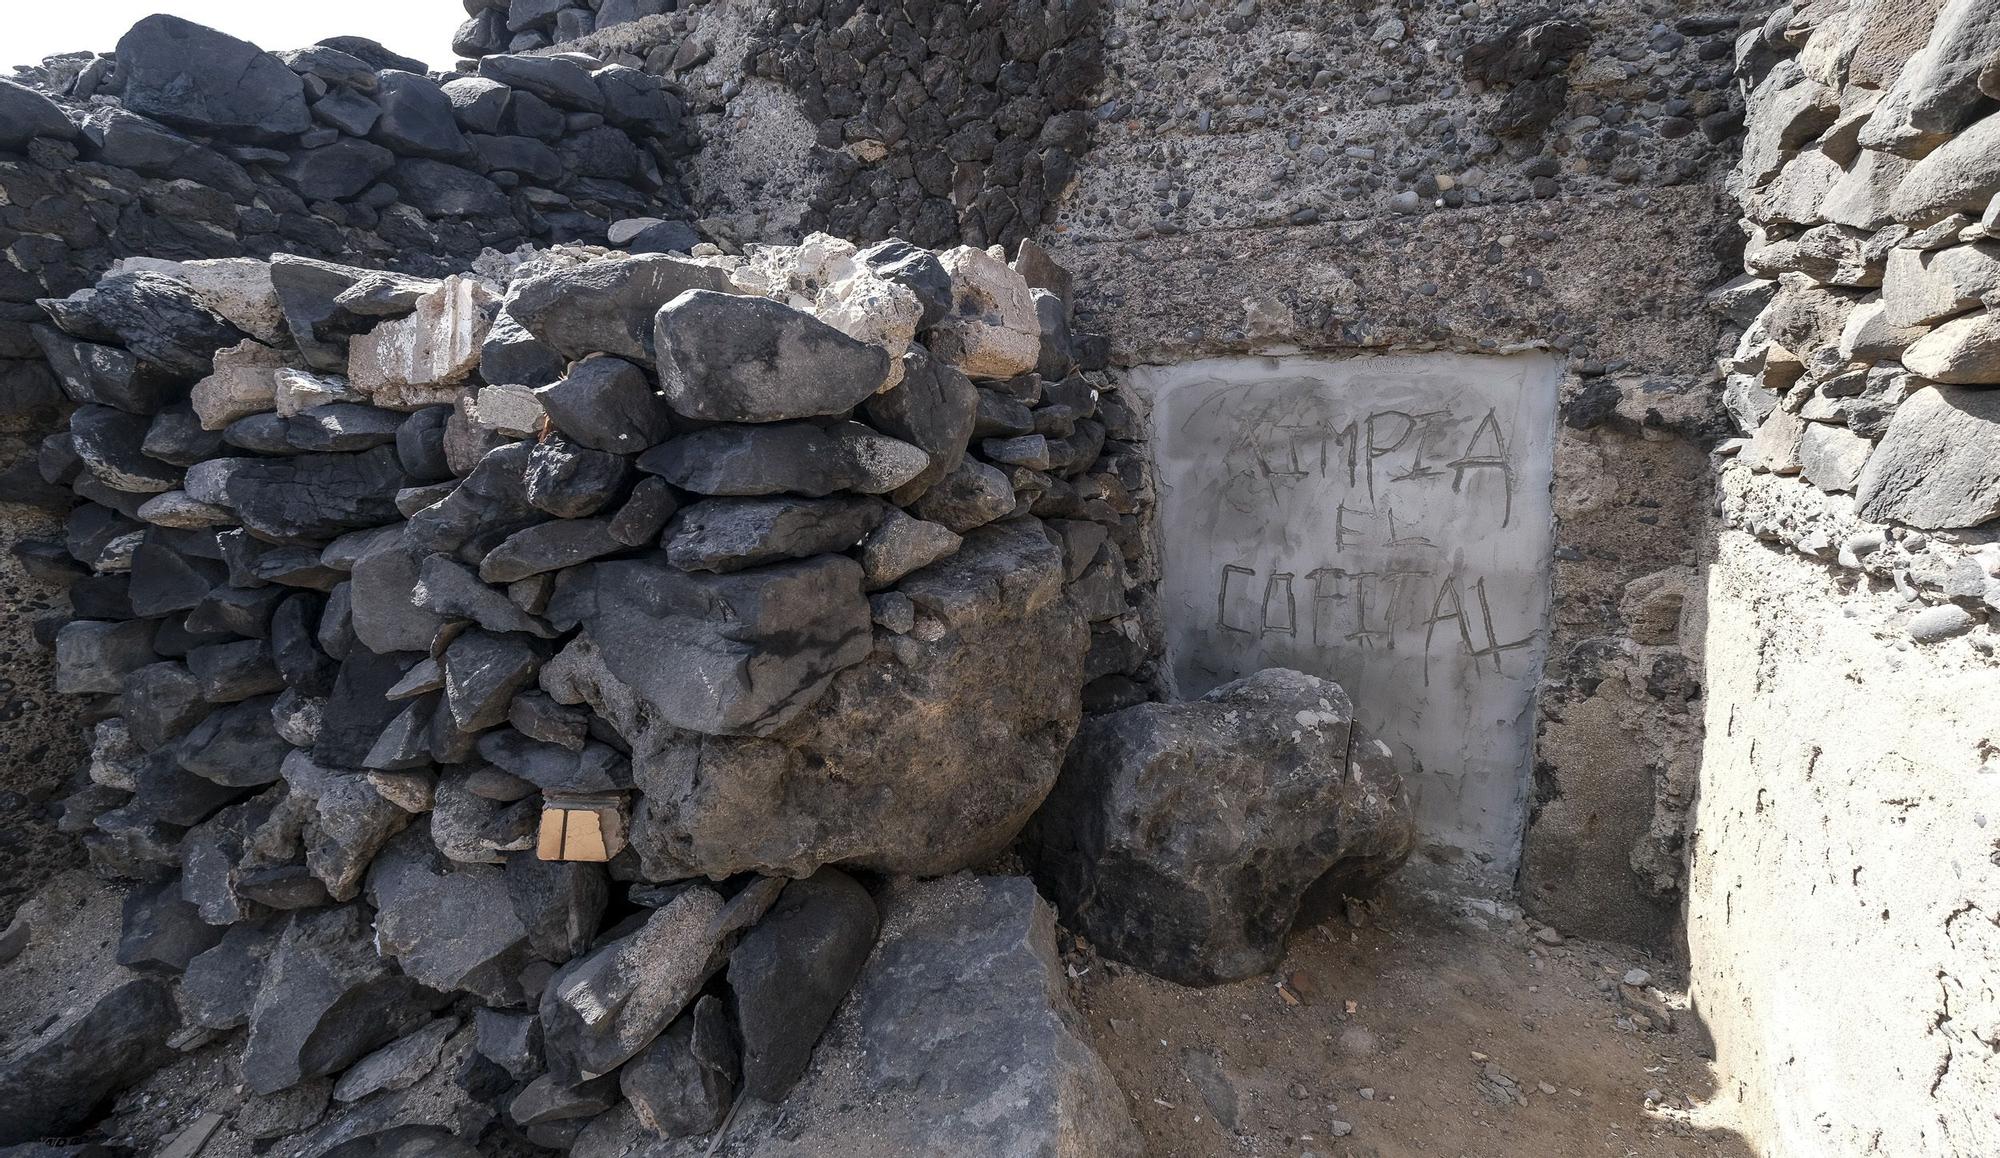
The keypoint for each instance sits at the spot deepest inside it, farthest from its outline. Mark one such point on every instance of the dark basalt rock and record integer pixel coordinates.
(606, 307)
(559, 81)
(55, 1082)
(731, 534)
(314, 497)
(163, 932)
(200, 79)
(103, 375)
(237, 745)
(26, 114)
(155, 317)
(721, 654)
(792, 971)
(917, 270)
(797, 457)
(417, 118)
(731, 358)
(933, 409)
(449, 926)
(327, 999)
(338, 171)
(1306, 795)
(607, 404)
(571, 481)
(682, 1085)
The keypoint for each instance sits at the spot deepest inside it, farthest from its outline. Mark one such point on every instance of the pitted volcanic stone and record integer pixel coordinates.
(732, 358)
(1205, 898)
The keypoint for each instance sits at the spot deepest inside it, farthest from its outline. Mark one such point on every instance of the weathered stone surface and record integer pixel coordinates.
(951, 771)
(219, 986)
(111, 444)
(337, 171)
(606, 307)
(1963, 174)
(197, 78)
(725, 535)
(555, 79)
(448, 926)
(1964, 45)
(682, 1084)
(386, 616)
(417, 118)
(1938, 466)
(482, 672)
(1962, 352)
(314, 497)
(26, 114)
(961, 1008)
(237, 288)
(732, 358)
(792, 971)
(992, 330)
(56, 1080)
(972, 495)
(917, 270)
(1920, 287)
(93, 656)
(237, 746)
(162, 932)
(548, 547)
(934, 408)
(571, 481)
(1831, 457)
(103, 375)
(735, 654)
(901, 544)
(420, 360)
(451, 589)
(796, 457)
(396, 1066)
(607, 404)
(1208, 895)
(326, 1001)
(601, 1009)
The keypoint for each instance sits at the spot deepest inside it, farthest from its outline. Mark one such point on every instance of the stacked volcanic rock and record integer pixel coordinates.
(803, 559)
(933, 122)
(1869, 358)
(498, 26)
(190, 144)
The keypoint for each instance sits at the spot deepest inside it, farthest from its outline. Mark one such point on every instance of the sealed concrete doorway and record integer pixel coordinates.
(1382, 521)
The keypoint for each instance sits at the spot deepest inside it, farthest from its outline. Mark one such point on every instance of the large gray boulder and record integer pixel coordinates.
(196, 78)
(1291, 792)
(723, 655)
(922, 758)
(733, 358)
(1938, 466)
(26, 114)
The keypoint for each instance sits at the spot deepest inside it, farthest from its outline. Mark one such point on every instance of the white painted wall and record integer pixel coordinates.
(1382, 521)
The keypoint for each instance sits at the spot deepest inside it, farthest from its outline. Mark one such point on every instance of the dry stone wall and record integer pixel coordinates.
(155, 154)
(1844, 854)
(440, 636)
(933, 122)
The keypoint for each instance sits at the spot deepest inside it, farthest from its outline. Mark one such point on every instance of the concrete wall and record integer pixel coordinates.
(1844, 909)
(1384, 522)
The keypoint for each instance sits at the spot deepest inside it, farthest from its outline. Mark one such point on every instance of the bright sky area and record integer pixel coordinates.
(419, 28)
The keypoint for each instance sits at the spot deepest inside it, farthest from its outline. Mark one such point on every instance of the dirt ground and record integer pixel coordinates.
(1433, 1028)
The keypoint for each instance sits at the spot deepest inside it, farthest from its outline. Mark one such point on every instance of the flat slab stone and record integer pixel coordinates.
(1938, 466)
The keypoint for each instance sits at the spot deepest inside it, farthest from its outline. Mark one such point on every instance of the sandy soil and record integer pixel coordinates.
(1441, 1029)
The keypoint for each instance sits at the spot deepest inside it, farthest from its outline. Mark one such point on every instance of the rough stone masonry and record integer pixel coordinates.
(498, 682)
